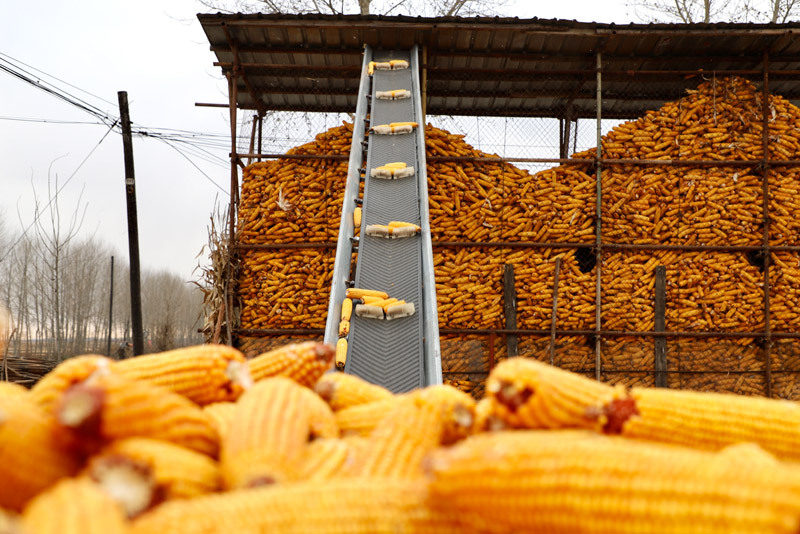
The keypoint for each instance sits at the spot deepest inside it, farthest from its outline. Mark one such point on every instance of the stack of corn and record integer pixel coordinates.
(202, 441)
(492, 201)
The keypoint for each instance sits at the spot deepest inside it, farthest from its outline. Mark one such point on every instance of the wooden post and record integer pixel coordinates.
(660, 326)
(133, 226)
(554, 312)
(510, 309)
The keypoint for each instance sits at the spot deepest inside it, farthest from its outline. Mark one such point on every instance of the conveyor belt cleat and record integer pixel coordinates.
(401, 309)
(378, 230)
(369, 312)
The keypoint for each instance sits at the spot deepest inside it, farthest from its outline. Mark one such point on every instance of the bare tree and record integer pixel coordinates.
(690, 11)
(54, 241)
(429, 8)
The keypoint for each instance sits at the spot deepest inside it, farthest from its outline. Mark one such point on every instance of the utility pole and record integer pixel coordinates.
(133, 226)
(110, 307)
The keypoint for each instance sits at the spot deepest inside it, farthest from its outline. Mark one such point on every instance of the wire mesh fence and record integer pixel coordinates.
(699, 174)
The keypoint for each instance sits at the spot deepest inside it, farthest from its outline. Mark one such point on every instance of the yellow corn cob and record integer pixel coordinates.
(109, 407)
(555, 398)
(302, 362)
(342, 391)
(400, 441)
(356, 218)
(395, 165)
(341, 354)
(371, 68)
(400, 224)
(384, 303)
(32, 455)
(324, 459)
(220, 414)
(574, 481)
(356, 293)
(204, 373)
(268, 435)
(456, 411)
(363, 418)
(49, 389)
(407, 123)
(416, 424)
(371, 506)
(322, 421)
(531, 394)
(178, 473)
(74, 505)
(347, 309)
(371, 300)
(11, 389)
(344, 328)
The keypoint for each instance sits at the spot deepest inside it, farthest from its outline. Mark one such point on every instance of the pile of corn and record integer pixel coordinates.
(287, 201)
(203, 441)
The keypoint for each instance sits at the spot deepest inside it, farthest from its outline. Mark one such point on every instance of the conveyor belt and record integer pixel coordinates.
(401, 354)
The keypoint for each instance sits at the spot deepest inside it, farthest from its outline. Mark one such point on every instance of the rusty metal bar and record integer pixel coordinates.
(598, 217)
(510, 308)
(536, 244)
(237, 68)
(281, 246)
(280, 331)
(660, 361)
(765, 236)
(492, 355)
(620, 161)
(620, 333)
(234, 200)
(252, 139)
(554, 313)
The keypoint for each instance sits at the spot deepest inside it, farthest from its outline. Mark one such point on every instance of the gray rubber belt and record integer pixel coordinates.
(390, 353)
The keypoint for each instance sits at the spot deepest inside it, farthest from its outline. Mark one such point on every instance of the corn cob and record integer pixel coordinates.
(370, 300)
(531, 394)
(372, 506)
(400, 441)
(302, 362)
(74, 505)
(268, 434)
(356, 293)
(418, 422)
(109, 407)
(203, 374)
(178, 473)
(362, 419)
(32, 455)
(49, 389)
(572, 481)
(322, 421)
(347, 309)
(356, 218)
(11, 389)
(220, 414)
(344, 328)
(341, 354)
(341, 391)
(324, 459)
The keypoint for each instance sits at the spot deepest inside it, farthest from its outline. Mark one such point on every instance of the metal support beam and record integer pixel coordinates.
(660, 326)
(510, 309)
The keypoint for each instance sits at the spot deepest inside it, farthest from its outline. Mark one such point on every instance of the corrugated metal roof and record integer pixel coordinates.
(496, 66)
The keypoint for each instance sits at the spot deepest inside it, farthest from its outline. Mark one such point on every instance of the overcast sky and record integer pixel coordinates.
(157, 52)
